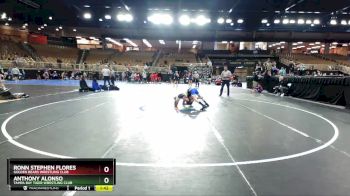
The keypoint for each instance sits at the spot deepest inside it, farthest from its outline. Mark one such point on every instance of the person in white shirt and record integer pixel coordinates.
(15, 73)
(106, 73)
(196, 78)
(225, 80)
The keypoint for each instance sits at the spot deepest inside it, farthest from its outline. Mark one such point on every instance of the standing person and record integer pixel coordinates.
(113, 76)
(190, 78)
(225, 80)
(176, 78)
(196, 78)
(106, 73)
(144, 76)
(15, 73)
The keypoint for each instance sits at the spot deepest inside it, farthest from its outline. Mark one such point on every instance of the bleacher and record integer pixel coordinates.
(54, 54)
(132, 57)
(170, 58)
(97, 56)
(9, 50)
(344, 60)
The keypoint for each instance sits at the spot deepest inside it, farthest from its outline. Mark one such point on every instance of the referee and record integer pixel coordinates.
(225, 80)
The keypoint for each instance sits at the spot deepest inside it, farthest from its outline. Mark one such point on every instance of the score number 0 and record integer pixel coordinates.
(106, 170)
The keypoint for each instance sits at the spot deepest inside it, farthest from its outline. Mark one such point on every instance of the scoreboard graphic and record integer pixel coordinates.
(61, 174)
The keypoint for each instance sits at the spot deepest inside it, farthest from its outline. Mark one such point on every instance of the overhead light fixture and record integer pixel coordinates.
(231, 24)
(23, 27)
(301, 21)
(229, 20)
(240, 21)
(224, 42)
(7, 24)
(130, 42)
(125, 17)
(100, 19)
(86, 6)
(50, 17)
(221, 20)
(292, 21)
(264, 21)
(268, 24)
(343, 22)
(108, 17)
(201, 20)
(162, 42)
(25, 24)
(87, 15)
(113, 41)
(316, 22)
(185, 20)
(294, 44)
(195, 42)
(277, 21)
(308, 21)
(160, 19)
(39, 29)
(42, 27)
(9, 19)
(60, 27)
(45, 25)
(147, 43)
(317, 42)
(74, 30)
(335, 43)
(285, 21)
(345, 45)
(333, 22)
(57, 29)
(3, 16)
(107, 7)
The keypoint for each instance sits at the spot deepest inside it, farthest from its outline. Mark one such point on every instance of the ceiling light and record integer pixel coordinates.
(285, 21)
(39, 29)
(130, 42)
(74, 30)
(107, 7)
(221, 20)
(264, 21)
(201, 20)
(165, 19)
(224, 42)
(125, 17)
(7, 24)
(317, 22)
(25, 24)
(231, 24)
(45, 25)
(50, 17)
(87, 15)
(333, 22)
(9, 19)
(60, 27)
(300, 42)
(147, 43)
(343, 22)
(162, 42)
(292, 21)
(308, 21)
(3, 16)
(113, 41)
(100, 19)
(240, 21)
(86, 6)
(229, 20)
(57, 29)
(108, 17)
(345, 45)
(42, 27)
(277, 21)
(195, 42)
(185, 20)
(301, 21)
(194, 46)
(23, 27)
(294, 44)
(335, 43)
(268, 24)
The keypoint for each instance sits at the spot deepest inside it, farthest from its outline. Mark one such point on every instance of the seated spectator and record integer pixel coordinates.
(95, 86)
(83, 85)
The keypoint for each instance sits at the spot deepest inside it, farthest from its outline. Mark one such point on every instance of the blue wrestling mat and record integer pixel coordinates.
(50, 82)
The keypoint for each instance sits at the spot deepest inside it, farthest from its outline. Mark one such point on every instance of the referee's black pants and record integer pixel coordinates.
(223, 83)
